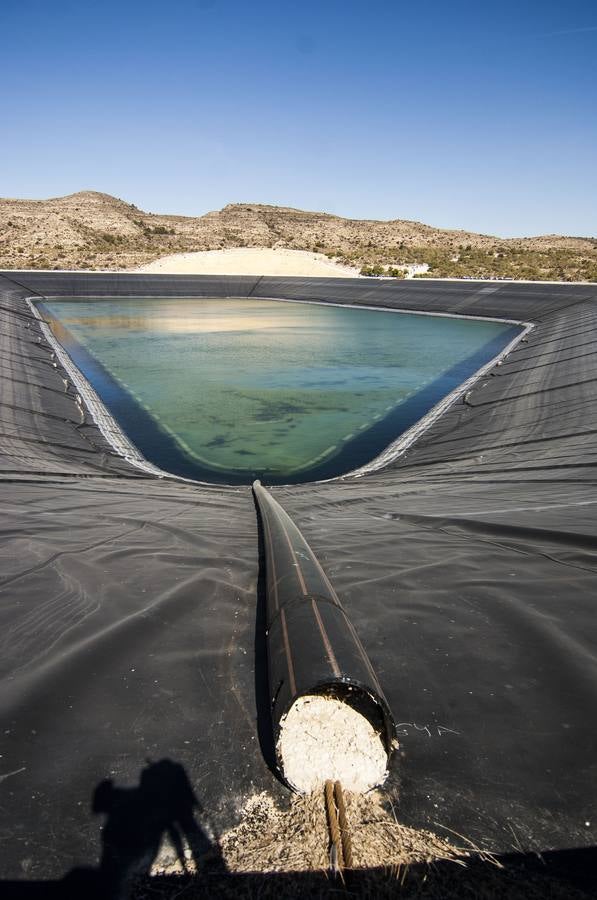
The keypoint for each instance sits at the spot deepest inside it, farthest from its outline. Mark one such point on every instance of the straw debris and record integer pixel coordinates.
(281, 853)
(272, 839)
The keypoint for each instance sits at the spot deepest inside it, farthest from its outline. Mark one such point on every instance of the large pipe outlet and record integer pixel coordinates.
(329, 714)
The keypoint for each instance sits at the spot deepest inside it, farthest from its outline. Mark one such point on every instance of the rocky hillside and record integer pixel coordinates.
(96, 231)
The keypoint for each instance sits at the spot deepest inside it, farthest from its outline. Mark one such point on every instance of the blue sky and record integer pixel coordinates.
(473, 115)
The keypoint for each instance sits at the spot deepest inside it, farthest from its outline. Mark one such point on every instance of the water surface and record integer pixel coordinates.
(227, 390)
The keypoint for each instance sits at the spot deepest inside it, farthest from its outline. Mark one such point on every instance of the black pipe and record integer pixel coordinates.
(312, 646)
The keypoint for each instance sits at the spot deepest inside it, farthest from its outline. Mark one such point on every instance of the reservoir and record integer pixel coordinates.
(229, 390)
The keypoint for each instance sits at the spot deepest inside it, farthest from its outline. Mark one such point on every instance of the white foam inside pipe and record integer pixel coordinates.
(323, 738)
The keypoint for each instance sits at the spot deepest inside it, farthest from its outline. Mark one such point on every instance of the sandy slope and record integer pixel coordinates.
(250, 261)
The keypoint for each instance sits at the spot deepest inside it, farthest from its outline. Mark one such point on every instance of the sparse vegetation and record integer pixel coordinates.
(387, 272)
(95, 230)
(159, 229)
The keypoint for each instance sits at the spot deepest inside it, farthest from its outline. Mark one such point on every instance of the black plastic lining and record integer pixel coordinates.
(312, 645)
(127, 608)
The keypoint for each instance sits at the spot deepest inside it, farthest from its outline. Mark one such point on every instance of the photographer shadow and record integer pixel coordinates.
(140, 819)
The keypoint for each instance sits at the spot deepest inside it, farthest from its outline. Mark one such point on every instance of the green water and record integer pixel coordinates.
(230, 389)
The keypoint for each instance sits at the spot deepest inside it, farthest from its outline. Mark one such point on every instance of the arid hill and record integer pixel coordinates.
(96, 231)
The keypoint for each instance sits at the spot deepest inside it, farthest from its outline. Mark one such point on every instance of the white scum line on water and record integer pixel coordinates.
(387, 309)
(125, 448)
(99, 412)
(407, 439)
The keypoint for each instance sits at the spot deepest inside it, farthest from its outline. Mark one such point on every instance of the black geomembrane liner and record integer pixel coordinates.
(128, 602)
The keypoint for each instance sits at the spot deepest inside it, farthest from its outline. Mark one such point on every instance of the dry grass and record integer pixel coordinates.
(273, 839)
(269, 839)
(282, 853)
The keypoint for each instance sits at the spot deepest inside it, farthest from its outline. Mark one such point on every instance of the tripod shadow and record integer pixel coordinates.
(138, 819)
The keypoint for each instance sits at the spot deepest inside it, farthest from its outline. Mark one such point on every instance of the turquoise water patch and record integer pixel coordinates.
(227, 390)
